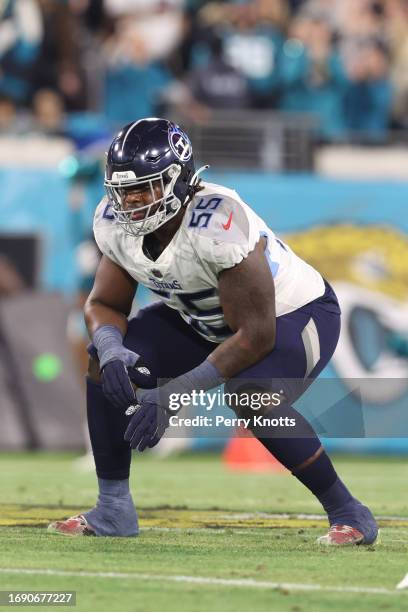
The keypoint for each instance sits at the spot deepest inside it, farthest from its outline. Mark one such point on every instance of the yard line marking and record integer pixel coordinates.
(203, 580)
(403, 584)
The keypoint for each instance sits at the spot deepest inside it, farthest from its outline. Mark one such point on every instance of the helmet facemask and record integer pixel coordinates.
(157, 212)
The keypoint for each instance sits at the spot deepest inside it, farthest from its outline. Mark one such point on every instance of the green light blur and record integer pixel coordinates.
(46, 367)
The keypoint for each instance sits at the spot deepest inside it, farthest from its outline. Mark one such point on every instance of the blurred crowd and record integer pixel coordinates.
(66, 64)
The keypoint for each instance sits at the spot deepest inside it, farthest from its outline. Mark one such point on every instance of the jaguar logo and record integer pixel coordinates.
(368, 268)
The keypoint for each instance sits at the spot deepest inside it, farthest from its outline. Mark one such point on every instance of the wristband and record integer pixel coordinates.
(202, 378)
(108, 341)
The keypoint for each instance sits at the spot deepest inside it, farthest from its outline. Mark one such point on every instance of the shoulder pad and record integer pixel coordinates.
(218, 214)
(103, 228)
(103, 214)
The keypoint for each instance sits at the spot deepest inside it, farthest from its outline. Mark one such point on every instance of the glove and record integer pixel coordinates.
(148, 423)
(151, 418)
(114, 360)
(116, 384)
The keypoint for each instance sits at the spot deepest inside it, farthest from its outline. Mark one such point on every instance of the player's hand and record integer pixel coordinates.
(116, 384)
(117, 379)
(149, 422)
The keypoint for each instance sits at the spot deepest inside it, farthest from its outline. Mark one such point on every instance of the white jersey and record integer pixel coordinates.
(217, 232)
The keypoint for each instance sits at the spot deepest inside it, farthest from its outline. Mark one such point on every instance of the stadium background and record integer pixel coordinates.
(299, 106)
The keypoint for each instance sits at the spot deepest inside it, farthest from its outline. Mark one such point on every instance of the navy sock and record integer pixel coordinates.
(342, 508)
(335, 497)
(294, 452)
(319, 476)
(107, 426)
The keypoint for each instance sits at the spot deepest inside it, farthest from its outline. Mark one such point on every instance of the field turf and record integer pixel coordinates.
(210, 540)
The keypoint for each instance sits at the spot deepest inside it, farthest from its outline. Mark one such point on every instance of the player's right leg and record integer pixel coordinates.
(114, 513)
(153, 333)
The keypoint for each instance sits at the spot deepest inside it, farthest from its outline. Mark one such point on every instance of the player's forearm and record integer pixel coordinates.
(241, 351)
(98, 314)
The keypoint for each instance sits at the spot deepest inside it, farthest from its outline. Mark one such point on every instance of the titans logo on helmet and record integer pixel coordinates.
(180, 143)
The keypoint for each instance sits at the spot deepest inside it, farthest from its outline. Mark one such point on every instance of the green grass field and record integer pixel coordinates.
(210, 539)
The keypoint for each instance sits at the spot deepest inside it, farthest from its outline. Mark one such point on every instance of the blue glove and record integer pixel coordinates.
(151, 418)
(117, 364)
(149, 421)
(116, 384)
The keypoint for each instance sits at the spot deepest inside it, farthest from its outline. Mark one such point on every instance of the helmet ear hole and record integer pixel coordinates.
(171, 172)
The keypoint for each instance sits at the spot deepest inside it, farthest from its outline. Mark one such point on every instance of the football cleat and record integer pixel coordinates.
(73, 526)
(341, 535)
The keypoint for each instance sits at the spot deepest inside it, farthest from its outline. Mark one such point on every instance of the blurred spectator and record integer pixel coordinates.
(360, 31)
(397, 30)
(8, 114)
(343, 60)
(58, 65)
(359, 23)
(219, 85)
(198, 29)
(86, 130)
(252, 40)
(91, 25)
(144, 33)
(369, 97)
(154, 26)
(48, 112)
(313, 75)
(330, 11)
(133, 91)
(90, 13)
(21, 34)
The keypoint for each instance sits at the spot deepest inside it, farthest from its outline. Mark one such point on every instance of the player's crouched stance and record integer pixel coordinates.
(237, 305)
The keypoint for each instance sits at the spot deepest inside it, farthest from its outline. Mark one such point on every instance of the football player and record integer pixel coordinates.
(237, 307)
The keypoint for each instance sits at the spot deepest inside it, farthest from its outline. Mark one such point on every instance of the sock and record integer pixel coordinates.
(107, 426)
(114, 513)
(300, 447)
(343, 509)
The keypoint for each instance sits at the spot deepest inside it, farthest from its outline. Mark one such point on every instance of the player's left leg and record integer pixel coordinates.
(305, 342)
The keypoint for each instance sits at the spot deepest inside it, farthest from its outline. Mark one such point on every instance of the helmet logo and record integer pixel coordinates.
(180, 143)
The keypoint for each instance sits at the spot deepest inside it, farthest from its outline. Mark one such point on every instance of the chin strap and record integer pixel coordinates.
(193, 183)
(194, 180)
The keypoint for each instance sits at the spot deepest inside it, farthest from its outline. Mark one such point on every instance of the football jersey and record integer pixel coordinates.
(217, 232)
